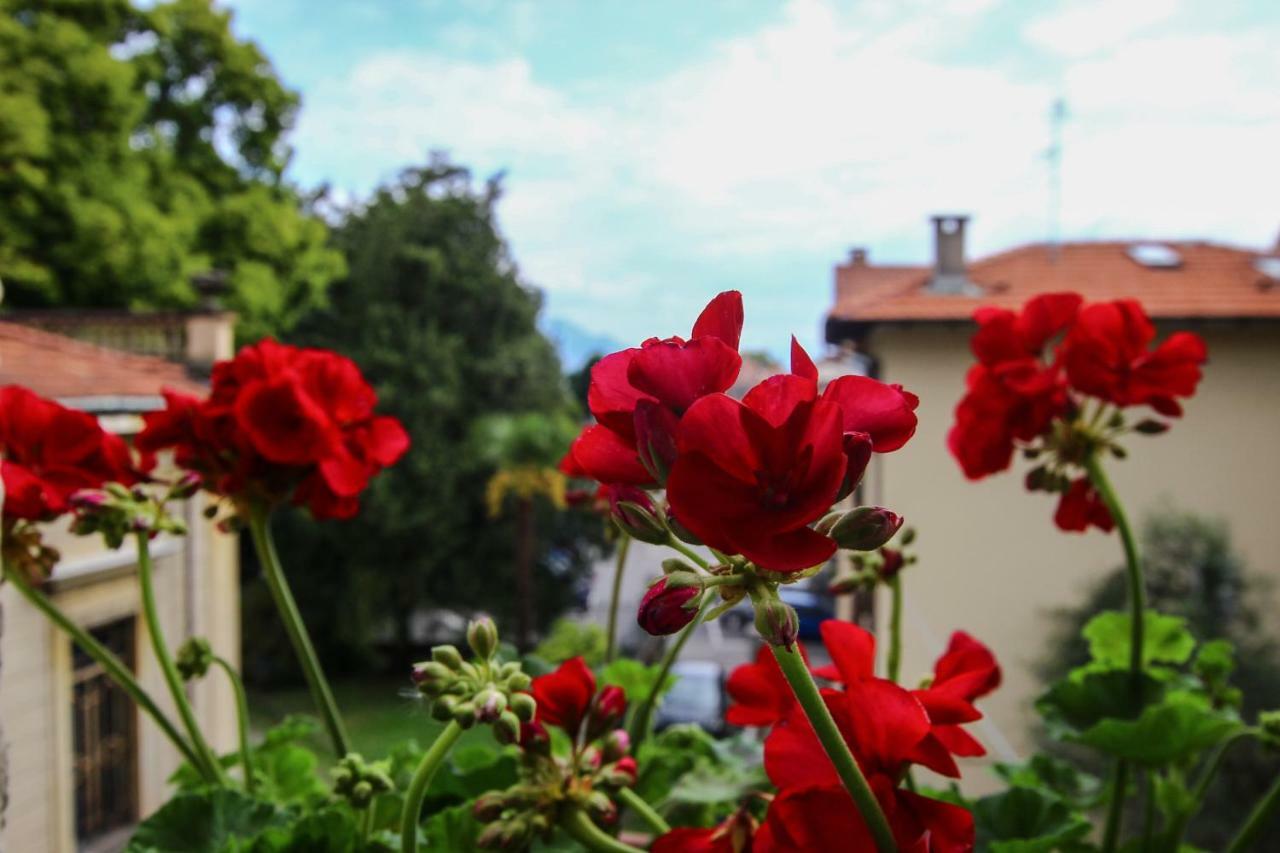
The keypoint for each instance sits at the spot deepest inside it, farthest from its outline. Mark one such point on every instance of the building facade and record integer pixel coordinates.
(991, 560)
(83, 765)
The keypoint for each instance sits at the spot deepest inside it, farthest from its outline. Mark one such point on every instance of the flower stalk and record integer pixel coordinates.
(1257, 820)
(646, 812)
(273, 572)
(639, 728)
(582, 829)
(1137, 616)
(417, 792)
(177, 690)
(611, 638)
(242, 720)
(895, 629)
(824, 726)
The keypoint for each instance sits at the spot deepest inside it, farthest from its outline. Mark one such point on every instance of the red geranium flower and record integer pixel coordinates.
(671, 374)
(760, 692)
(281, 423)
(564, 696)
(1106, 355)
(50, 452)
(750, 477)
(1080, 506)
(733, 835)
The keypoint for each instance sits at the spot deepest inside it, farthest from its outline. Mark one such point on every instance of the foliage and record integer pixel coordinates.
(433, 312)
(1193, 578)
(142, 144)
(569, 638)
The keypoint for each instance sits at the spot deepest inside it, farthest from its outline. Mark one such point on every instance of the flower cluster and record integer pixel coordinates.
(597, 764)
(51, 452)
(281, 423)
(888, 729)
(1037, 371)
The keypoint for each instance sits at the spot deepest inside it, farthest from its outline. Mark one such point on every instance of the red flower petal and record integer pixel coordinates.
(722, 318)
(887, 413)
(564, 696)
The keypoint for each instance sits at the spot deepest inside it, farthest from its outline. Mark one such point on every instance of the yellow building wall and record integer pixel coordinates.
(991, 560)
(197, 591)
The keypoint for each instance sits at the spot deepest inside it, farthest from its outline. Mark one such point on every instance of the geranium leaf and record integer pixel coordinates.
(1175, 729)
(1025, 820)
(1165, 638)
(212, 821)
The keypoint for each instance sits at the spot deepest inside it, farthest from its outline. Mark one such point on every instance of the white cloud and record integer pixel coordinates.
(822, 129)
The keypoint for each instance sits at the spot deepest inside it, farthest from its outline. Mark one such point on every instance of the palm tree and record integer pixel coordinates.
(524, 449)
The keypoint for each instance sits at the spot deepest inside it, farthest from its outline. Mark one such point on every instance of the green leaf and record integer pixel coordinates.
(1089, 695)
(1026, 820)
(1057, 776)
(1176, 729)
(289, 774)
(711, 785)
(634, 677)
(470, 771)
(205, 823)
(330, 830)
(451, 830)
(1165, 638)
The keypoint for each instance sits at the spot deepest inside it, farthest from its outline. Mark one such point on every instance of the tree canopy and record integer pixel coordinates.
(140, 146)
(433, 311)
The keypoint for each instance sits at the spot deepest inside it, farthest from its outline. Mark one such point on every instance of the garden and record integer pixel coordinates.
(749, 496)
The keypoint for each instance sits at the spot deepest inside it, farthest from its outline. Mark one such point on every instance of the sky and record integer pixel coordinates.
(656, 153)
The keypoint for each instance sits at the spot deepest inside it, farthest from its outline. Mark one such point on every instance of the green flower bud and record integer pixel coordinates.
(447, 656)
(482, 636)
(777, 622)
(194, 659)
(507, 727)
(672, 565)
(443, 708)
(490, 702)
(865, 528)
(523, 705)
(519, 681)
(464, 714)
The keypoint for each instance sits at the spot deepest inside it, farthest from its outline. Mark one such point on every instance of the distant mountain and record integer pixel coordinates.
(575, 344)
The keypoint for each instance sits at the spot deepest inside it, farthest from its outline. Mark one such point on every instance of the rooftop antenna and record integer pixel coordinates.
(1057, 116)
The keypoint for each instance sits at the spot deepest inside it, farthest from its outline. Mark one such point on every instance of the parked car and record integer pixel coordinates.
(697, 697)
(811, 609)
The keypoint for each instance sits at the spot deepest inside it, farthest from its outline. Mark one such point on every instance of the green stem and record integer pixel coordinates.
(1257, 820)
(611, 639)
(1137, 615)
(1211, 767)
(581, 828)
(687, 551)
(112, 665)
(242, 720)
(806, 690)
(417, 792)
(645, 811)
(639, 728)
(895, 629)
(366, 824)
(273, 572)
(158, 645)
(1148, 810)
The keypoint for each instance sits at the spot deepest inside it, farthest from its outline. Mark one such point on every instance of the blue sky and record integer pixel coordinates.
(658, 152)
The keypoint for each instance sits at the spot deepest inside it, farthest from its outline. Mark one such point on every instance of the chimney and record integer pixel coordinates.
(857, 257)
(948, 255)
(210, 331)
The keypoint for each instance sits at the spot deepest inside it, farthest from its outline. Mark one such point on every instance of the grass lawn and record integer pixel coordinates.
(378, 714)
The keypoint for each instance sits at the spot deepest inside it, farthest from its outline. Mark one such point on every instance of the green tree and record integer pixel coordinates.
(434, 313)
(139, 146)
(1193, 572)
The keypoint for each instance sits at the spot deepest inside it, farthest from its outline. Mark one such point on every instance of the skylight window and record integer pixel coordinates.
(1155, 256)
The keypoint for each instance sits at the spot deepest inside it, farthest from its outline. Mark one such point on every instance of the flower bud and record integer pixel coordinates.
(1150, 427)
(523, 706)
(619, 774)
(194, 658)
(828, 521)
(857, 450)
(447, 656)
(139, 524)
(893, 562)
(506, 728)
(534, 738)
(88, 499)
(518, 681)
(430, 676)
(600, 807)
(464, 713)
(616, 744)
(637, 518)
(187, 486)
(482, 636)
(776, 621)
(489, 704)
(443, 708)
(865, 528)
(607, 710)
(663, 611)
(489, 806)
(672, 565)
(681, 532)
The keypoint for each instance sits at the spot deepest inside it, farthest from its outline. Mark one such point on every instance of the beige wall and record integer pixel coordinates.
(196, 586)
(991, 560)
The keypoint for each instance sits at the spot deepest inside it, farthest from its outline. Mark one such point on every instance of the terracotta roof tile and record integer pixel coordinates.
(67, 369)
(1213, 281)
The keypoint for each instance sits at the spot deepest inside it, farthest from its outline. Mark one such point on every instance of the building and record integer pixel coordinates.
(83, 765)
(991, 560)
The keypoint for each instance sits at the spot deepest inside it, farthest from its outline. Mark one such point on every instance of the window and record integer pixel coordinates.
(105, 733)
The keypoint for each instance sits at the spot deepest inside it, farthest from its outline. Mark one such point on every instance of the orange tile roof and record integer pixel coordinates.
(1213, 281)
(70, 370)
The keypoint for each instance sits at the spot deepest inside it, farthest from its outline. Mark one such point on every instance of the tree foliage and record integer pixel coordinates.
(139, 146)
(435, 315)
